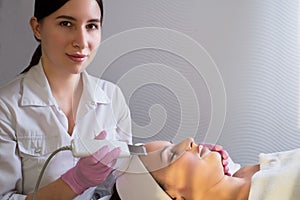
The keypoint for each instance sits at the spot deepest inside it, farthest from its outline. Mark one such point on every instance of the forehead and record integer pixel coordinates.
(156, 145)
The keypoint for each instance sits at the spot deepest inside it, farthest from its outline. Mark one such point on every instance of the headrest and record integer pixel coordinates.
(135, 182)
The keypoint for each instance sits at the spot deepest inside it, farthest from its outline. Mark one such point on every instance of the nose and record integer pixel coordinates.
(187, 144)
(190, 143)
(80, 38)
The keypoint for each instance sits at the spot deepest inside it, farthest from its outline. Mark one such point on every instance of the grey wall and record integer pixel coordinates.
(219, 71)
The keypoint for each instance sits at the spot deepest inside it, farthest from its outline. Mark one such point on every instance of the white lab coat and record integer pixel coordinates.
(32, 126)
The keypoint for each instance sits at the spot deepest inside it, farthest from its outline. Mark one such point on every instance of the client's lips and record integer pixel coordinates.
(203, 150)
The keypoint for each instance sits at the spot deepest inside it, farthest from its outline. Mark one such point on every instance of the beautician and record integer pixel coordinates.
(53, 101)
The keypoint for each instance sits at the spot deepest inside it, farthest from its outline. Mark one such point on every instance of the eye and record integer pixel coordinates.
(173, 155)
(65, 23)
(92, 26)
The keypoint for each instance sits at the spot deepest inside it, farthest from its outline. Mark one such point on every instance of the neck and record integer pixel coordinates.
(66, 89)
(62, 84)
(236, 187)
(230, 188)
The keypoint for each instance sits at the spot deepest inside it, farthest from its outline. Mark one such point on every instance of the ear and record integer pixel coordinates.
(35, 27)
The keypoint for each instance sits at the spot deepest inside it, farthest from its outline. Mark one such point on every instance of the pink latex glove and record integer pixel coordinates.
(223, 154)
(92, 170)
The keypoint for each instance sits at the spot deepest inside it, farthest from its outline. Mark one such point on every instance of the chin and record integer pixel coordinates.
(78, 69)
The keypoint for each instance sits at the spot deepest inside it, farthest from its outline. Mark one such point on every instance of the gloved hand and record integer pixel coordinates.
(223, 154)
(92, 170)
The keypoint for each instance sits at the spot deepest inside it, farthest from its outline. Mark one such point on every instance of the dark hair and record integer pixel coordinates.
(43, 8)
(114, 194)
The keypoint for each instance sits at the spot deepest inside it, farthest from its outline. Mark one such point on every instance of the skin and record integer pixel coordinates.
(70, 38)
(193, 172)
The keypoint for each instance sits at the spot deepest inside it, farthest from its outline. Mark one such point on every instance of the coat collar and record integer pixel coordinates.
(37, 91)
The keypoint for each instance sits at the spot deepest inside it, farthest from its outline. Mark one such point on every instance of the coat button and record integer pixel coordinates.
(38, 150)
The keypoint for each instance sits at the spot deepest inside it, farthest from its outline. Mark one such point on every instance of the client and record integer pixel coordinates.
(189, 171)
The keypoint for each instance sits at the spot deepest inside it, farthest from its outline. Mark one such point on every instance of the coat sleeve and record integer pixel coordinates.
(10, 162)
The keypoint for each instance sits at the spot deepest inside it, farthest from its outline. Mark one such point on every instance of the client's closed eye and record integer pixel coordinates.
(173, 156)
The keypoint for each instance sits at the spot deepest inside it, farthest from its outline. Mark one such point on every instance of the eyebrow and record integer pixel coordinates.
(74, 19)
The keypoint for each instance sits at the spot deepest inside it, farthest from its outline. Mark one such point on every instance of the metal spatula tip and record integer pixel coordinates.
(137, 149)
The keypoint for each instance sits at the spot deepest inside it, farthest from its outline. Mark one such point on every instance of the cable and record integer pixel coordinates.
(65, 148)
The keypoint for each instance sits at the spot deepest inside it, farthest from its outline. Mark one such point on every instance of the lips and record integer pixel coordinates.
(203, 151)
(77, 57)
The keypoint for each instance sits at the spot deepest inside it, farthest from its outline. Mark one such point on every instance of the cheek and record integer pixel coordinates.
(193, 168)
(54, 39)
(182, 172)
(95, 41)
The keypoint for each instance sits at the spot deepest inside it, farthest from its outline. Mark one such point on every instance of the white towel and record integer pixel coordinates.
(278, 178)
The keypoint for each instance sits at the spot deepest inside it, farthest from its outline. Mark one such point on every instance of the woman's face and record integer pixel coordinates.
(185, 170)
(70, 36)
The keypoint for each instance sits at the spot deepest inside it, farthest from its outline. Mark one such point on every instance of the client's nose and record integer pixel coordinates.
(189, 143)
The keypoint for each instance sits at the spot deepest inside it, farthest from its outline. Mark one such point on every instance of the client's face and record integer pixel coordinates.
(185, 169)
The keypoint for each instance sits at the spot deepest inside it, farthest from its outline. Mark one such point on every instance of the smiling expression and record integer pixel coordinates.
(70, 36)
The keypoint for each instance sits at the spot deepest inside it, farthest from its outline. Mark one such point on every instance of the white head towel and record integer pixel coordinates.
(136, 183)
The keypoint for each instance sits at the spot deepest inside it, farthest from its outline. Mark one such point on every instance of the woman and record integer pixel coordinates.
(189, 171)
(53, 101)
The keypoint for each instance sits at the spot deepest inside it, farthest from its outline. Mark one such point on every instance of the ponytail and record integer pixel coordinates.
(35, 59)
